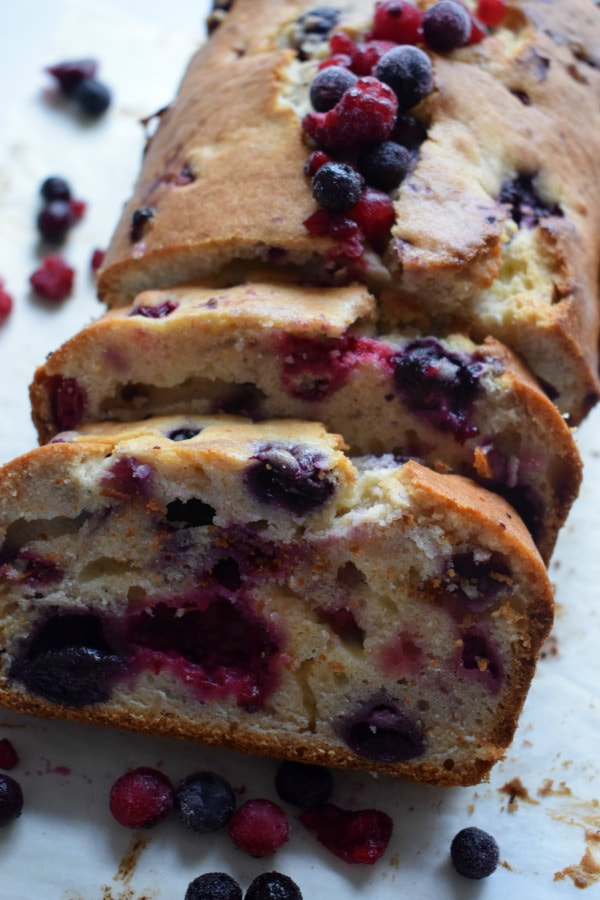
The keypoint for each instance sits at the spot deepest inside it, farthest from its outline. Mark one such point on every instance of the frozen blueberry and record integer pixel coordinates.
(92, 96)
(11, 799)
(303, 785)
(409, 132)
(213, 886)
(385, 165)
(475, 853)
(292, 477)
(329, 86)
(191, 513)
(204, 802)
(54, 221)
(382, 731)
(337, 187)
(139, 220)
(446, 26)
(409, 73)
(273, 886)
(319, 20)
(55, 188)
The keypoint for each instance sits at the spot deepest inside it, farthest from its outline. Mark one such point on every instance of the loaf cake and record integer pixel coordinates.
(493, 230)
(249, 585)
(267, 349)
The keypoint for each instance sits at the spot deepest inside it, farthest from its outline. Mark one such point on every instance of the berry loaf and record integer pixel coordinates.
(251, 586)
(321, 140)
(270, 350)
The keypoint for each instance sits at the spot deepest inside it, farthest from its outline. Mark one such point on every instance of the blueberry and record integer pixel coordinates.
(381, 731)
(446, 26)
(475, 853)
(183, 434)
(55, 188)
(139, 220)
(273, 886)
(191, 513)
(409, 132)
(303, 785)
(337, 187)
(204, 801)
(409, 73)
(213, 886)
(11, 799)
(525, 206)
(92, 96)
(291, 477)
(319, 20)
(329, 86)
(385, 165)
(54, 221)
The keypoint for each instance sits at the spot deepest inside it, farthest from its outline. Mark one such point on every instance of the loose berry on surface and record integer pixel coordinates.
(92, 96)
(70, 74)
(55, 188)
(398, 21)
(337, 186)
(11, 799)
(259, 827)
(6, 304)
(446, 26)
(97, 259)
(204, 802)
(474, 853)
(8, 755)
(54, 279)
(54, 221)
(141, 798)
(213, 886)
(360, 836)
(408, 71)
(303, 785)
(385, 165)
(273, 886)
(78, 208)
(328, 87)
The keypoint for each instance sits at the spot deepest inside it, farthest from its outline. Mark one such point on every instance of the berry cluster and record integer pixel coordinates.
(77, 81)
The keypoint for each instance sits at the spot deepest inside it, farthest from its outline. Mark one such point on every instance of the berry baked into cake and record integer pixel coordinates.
(249, 585)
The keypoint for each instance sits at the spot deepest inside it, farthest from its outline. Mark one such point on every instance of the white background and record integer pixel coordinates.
(65, 845)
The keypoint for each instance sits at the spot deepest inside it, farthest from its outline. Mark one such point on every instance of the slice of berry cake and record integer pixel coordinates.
(353, 143)
(268, 350)
(251, 586)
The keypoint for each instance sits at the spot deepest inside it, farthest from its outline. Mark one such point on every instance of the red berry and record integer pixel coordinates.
(318, 224)
(491, 12)
(342, 43)
(54, 279)
(70, 74)
(97, 259)
(141, 798)
(8, 755)
(368, 55)
(365, 115)
(315, 161)
(398, 21)
(478, 32)
(259, 827)
(356, 837)
(6, 304)
(338, 59)
(77, 208)
(375, 214)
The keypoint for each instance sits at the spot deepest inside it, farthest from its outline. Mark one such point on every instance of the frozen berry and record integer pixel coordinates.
(360, 836)
(97, 259)
(54, 279)
(71, 676)
(259, 827)
(78, 208)
(139, 220)
(214, 886)
(328, 87)
(54, 221)
(365, 115)
(475, 853)
(315, 161)
(204, 802)
(319, 20)
(341, 44)
(368, 55)
(446, 26)
(141, 798)
(55, 188)
(381, 730)
(11, 799)
(290, 476)
(337, 186)
(303, 785)
(375, 214)
(385, 165)
(491, 12)
(6, 303)
(398, 21)
(70, 74)
(273, 886)
(409, 132)
(409, 73)
(8, 755)
(92, 96)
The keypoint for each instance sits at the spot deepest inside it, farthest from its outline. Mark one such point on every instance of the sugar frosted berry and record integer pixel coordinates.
(329, 86)
(54, 279)
(259, 827)
(204, 802)
(475, 853)
(374, 212)
(273, 886)
(11, 799)
(446, 26)
(408, 71)
(92, 96)
(141, 798)
(214, 886)
(365, 115)
(398, 21)
(72, 72)
(55, 188)
(360, 836)
(303, 785)
(491, 12)
(337, 186)
(385, 165)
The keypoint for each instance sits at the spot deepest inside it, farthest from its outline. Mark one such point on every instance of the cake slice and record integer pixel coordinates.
(270, 350)
(250, 586)
(493, 230)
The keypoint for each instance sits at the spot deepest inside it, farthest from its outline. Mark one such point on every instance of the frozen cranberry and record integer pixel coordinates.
(303, 785)
(141, 798)
(385, 165)
(340, 60)
(204, 802)
(380, 730)
(337, 186)
(213, 886)
(375, 214)
(259, 827)
(328, 87)
(491, 12)
(54, 221)
(398, 21)
(77, 208)
(6, 303)
(70, 74)
(55, 188)
(54, 279)
(11, 799)
(97, 259)
(365, 115)
(8, 755)
(92, 96)
(273, 886)
(360, 836)
(446, 26)
(409, 73)
(368, 55)
(160, 311)
(342, 43)
(290, 476)
(475, 853)
(315, 161)
(139, 221)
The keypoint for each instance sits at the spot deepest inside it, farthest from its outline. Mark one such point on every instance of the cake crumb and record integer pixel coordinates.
(516, 789)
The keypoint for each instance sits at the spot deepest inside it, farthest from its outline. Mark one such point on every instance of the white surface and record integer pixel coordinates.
(65, 845)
